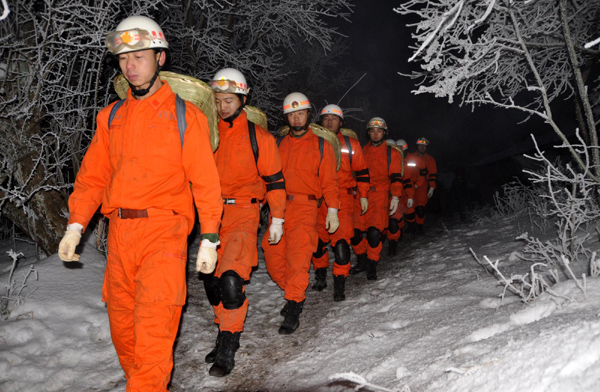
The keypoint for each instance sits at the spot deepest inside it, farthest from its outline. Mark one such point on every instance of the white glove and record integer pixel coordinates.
(66, 248)
(430, 192)
(394, 205)
(332, 222)
(364, 205)
(207, 256)
(275, 231)
(409, 203)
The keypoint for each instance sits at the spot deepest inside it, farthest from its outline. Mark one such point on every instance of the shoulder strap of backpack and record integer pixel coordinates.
(321, 146)
(180, 113)
(113, 111)
(279, 139)
(347, 139)
(389, 152)
(253, 142)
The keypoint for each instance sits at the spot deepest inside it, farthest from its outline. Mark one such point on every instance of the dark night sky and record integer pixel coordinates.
(458, 136)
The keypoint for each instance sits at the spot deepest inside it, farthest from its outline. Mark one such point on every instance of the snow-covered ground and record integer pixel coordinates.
(432, 322)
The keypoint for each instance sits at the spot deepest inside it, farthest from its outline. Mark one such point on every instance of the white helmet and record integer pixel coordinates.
(229, 80)
(423, 141)
(391, 141)
(377, 122)
(136, 33)
(333, 109)
(294, 102)
(402, 143)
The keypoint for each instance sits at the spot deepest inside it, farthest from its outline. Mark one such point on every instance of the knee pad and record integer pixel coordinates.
(321, 249)
(358, 236)
(410, 217)
(420, 211)
(394, 226)
(231, 287)
(211, 285)
(341, 251)
(373, 237)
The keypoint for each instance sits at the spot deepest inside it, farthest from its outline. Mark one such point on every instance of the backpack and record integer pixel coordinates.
(180, 114)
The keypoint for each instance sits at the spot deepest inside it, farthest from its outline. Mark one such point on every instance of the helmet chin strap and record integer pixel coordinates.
(140, 92)
(235, 115)
(301, 128)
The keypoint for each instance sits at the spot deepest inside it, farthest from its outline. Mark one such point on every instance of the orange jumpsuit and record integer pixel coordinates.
(308, 177)
(242, 187)
(140, 164)
(385, 170)
(407, 193)
(348, 187)
(425, 172)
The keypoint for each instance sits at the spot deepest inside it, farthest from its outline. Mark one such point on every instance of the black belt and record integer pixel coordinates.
(127, 213)
(227, 201)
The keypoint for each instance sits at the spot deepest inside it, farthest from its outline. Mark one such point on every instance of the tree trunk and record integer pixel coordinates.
(42, 217)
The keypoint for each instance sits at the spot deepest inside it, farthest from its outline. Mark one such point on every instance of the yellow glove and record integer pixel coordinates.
(207, 256)
(364, 205)
(332, 222)
(275, 231)
(66, 248)
(394, 205)
(430, 192)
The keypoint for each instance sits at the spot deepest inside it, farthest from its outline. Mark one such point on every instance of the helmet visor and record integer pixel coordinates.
(224, 86)
(134, 39)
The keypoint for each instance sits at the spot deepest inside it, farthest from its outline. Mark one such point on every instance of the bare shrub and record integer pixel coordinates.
(15, 295)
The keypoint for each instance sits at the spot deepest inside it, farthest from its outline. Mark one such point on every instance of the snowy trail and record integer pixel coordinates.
(428, 320)
(430, 323)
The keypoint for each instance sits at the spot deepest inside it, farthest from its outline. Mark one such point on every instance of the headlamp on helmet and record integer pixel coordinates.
(422, 141)
(229, 80)
(377, 122)
(136, 33)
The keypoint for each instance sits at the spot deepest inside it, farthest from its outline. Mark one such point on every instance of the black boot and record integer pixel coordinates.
(230, 342)
(392, 247)
(411, 227)
(284, 310)
(419, 229)
(212, 356)
(371, 270)
(292, 318)
(320, 279)
(361, 264)
(339, 284)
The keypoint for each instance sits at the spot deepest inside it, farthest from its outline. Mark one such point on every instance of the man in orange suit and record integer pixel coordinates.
(138, 170)
(249, 164)
(425, 171)
(396, 222)
(352, 161)
(309, 168)
(385, 170)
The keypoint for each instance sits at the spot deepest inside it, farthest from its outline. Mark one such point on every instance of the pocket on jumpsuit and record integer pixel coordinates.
(161, 277)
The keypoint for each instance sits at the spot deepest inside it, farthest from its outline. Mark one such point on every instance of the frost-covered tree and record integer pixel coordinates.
(260, 38)
(55, 74)
(511, 54)
(51, 65)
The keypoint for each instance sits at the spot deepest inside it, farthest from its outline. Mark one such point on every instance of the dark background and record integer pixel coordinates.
(459, 137)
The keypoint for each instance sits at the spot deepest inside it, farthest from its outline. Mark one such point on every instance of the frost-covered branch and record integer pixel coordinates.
(361, 382)
(510, 54)
(5, 11)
